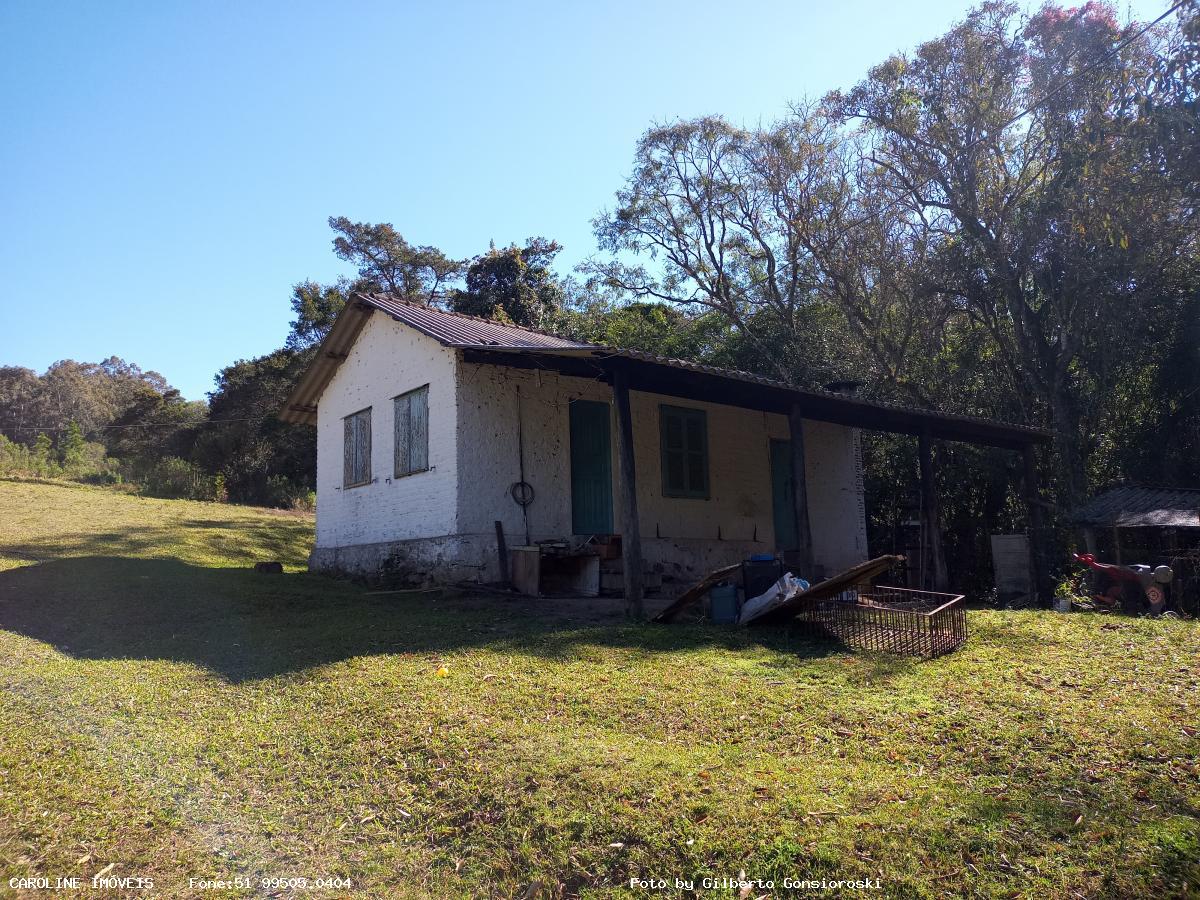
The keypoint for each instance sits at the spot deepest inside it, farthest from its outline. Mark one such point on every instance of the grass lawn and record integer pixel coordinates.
(171, 714)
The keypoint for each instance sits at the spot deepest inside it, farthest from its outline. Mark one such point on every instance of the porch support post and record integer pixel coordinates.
(936, 574)
(804, 546)
(631, 533)
(1037, 532)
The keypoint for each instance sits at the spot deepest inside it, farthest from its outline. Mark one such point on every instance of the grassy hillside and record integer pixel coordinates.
(171, 714)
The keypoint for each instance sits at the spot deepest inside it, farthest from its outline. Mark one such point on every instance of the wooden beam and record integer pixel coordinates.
(804, 547)
(1037, 530)
(936, 575)
(631, 532)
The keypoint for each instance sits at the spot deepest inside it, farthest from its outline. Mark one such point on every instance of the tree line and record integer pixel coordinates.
(1000, 223)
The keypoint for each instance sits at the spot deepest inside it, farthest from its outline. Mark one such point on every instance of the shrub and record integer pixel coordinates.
(30, 462)
(284, 493)
(173, 478)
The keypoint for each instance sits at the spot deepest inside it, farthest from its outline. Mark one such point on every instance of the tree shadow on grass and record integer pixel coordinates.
(258, 540)
(243, 625)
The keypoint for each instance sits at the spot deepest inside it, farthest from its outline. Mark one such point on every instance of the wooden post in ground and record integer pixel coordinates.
(502, 551)
(937, 576)
(1090, 545)
(804, 546)
(1037, 531)
(631, 532)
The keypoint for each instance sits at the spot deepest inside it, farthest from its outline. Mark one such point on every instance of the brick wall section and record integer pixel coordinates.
(388, 359)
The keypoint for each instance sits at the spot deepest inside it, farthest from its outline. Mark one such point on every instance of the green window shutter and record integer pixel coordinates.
(684, 446)
(357, 449)
(419, 429)
(402, 429)
(412, 432)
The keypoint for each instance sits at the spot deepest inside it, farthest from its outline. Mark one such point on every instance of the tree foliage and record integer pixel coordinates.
(513, 284)
(387, 262)
(997, 209)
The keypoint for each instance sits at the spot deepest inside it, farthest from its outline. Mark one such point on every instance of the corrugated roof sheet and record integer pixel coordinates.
(1140, 507)
(457, 330)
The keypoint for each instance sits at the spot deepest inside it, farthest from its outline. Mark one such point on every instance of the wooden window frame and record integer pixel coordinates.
(347, 424)
(408, 470)
(684, 413)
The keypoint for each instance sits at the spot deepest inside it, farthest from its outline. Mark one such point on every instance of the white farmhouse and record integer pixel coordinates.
(433, 427)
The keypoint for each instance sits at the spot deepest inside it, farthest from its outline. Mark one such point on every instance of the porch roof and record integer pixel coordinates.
(486, 342)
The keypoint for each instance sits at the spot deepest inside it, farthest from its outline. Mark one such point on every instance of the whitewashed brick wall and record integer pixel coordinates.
(387, 359)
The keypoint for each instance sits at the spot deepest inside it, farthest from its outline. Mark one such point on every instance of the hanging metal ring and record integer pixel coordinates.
(522, 493)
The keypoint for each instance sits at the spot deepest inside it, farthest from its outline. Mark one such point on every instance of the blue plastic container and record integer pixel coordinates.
(723, 604)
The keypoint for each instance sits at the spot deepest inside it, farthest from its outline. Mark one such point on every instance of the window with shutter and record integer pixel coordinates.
(357, 450)
(412, 432)
(684, 445)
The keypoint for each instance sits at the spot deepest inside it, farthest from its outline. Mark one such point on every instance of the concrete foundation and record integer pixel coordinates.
(450, 559)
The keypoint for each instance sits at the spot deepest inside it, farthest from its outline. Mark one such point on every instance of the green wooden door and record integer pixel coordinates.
(591, 468)
(783, 495)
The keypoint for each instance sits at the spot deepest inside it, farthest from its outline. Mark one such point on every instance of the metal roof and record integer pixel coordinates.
(1141, 507)
(505, 344)
(457, 330)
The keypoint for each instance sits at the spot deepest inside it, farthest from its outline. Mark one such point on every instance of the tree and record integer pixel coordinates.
(1017, 145)
(245, 441)
(694, 207)
(387, 262)
(72, 447)
(514, 284)
(719, 213)
(19, 408)
(154, 425)
(316, 306)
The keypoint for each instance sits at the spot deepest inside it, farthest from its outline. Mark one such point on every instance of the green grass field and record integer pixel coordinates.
(170, 714)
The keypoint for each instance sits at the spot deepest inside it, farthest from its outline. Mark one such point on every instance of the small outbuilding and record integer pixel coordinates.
(441, 438)
(1162, 511)
(1151, 526)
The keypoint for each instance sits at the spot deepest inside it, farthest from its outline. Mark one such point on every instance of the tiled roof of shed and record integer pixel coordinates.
(1140, 507)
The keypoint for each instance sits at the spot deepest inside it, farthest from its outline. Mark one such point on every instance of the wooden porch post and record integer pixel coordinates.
(804, 547)
(938, 577)
(1037, 534)
(631, 533)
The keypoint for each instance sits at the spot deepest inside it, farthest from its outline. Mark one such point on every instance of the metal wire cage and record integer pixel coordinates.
(890, 619)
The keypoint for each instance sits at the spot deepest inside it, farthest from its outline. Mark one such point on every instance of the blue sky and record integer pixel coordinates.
(167, 169)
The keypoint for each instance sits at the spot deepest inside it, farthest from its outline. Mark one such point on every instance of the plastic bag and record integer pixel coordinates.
(780, 592)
